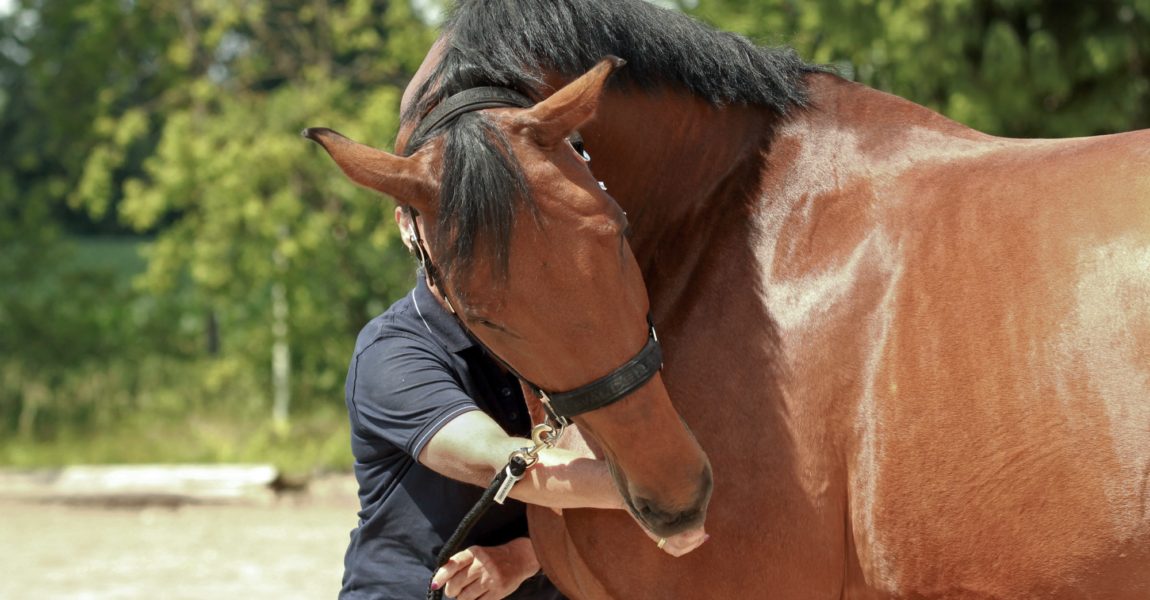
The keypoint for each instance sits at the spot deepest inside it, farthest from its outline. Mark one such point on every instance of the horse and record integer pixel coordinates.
(917, 357)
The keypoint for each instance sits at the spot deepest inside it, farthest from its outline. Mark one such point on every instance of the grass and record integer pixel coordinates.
(312, 442)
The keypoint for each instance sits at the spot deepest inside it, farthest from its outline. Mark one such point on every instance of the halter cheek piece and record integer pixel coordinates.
(559, 406)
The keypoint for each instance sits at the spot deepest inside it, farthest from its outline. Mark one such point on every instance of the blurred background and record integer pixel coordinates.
(182, 276)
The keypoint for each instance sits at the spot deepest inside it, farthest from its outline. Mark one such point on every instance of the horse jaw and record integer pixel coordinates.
(662, 474)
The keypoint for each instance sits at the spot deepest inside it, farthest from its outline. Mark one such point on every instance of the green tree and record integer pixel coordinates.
(181, 119)
(1020, 68)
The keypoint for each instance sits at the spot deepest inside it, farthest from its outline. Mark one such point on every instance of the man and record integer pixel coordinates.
(433, 418)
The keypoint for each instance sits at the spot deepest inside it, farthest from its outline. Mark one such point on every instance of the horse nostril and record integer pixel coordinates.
(674, 518)
(642, 506)
(666, 522)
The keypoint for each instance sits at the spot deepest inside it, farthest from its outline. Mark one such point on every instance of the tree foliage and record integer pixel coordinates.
(181, 119)
(1019, 68)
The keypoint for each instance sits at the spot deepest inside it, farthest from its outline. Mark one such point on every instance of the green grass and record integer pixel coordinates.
(312, 442)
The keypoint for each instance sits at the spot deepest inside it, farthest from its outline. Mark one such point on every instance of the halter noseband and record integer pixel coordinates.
(559, 406)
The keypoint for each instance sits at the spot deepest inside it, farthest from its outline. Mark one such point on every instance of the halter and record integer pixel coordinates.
(469, 100)
(559, 406)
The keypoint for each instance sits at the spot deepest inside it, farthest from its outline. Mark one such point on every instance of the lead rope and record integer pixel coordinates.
(505, 479)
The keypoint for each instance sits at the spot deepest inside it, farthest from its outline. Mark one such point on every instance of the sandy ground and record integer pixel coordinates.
(288, 548)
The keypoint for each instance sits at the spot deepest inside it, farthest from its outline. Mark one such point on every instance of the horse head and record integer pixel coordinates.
(532, 255)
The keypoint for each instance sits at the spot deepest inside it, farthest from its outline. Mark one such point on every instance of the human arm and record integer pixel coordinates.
(404, 391)
(473, 448)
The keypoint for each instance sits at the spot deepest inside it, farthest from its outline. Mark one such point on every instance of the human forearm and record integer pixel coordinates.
(560, 479)
(565, 479)
(473, 448)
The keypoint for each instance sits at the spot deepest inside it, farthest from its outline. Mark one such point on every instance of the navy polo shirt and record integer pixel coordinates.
(413, 371)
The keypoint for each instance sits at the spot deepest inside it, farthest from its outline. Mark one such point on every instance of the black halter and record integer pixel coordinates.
(560, 406)
(467, 101)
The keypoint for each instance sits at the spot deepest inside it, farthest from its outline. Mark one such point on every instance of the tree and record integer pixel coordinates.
(252, 206)
(181, 119)
(1020, 68)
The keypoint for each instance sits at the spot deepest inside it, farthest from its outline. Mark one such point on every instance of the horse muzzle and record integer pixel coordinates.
(661, 514)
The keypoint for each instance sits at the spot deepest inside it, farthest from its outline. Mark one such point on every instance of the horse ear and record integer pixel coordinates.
(405, 179)
(557, 117)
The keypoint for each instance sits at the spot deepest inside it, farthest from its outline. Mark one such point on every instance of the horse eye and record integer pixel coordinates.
(576, 142)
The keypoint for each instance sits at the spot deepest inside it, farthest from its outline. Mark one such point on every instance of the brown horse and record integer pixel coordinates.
(917, 356)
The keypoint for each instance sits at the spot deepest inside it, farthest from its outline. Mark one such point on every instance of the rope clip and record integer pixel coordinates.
(531, 455)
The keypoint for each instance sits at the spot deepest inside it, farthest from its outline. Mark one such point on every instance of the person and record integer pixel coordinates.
(433, 417)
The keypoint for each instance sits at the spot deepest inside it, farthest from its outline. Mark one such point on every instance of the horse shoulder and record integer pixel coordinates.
(971, 315)
(1002, 429)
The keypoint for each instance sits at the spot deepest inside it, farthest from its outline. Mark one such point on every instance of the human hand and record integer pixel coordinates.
(678, 545)
(487, 572)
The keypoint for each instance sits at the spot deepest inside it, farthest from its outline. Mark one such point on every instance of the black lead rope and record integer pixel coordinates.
(496, 492)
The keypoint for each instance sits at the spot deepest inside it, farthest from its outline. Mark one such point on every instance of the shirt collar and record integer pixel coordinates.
(437, 319)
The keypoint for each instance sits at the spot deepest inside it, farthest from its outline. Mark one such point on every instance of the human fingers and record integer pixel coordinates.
(476, 580)
(683, 543)
(467, 583)
(678, 545)
(454, 566)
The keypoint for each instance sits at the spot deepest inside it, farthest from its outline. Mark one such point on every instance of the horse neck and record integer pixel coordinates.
(679, 167)
(696, 181)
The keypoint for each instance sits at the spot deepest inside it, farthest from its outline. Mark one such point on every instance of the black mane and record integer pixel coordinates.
(509, 43)
(482, 181)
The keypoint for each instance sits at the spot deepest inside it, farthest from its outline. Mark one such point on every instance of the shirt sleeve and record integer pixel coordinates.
(404, 393)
